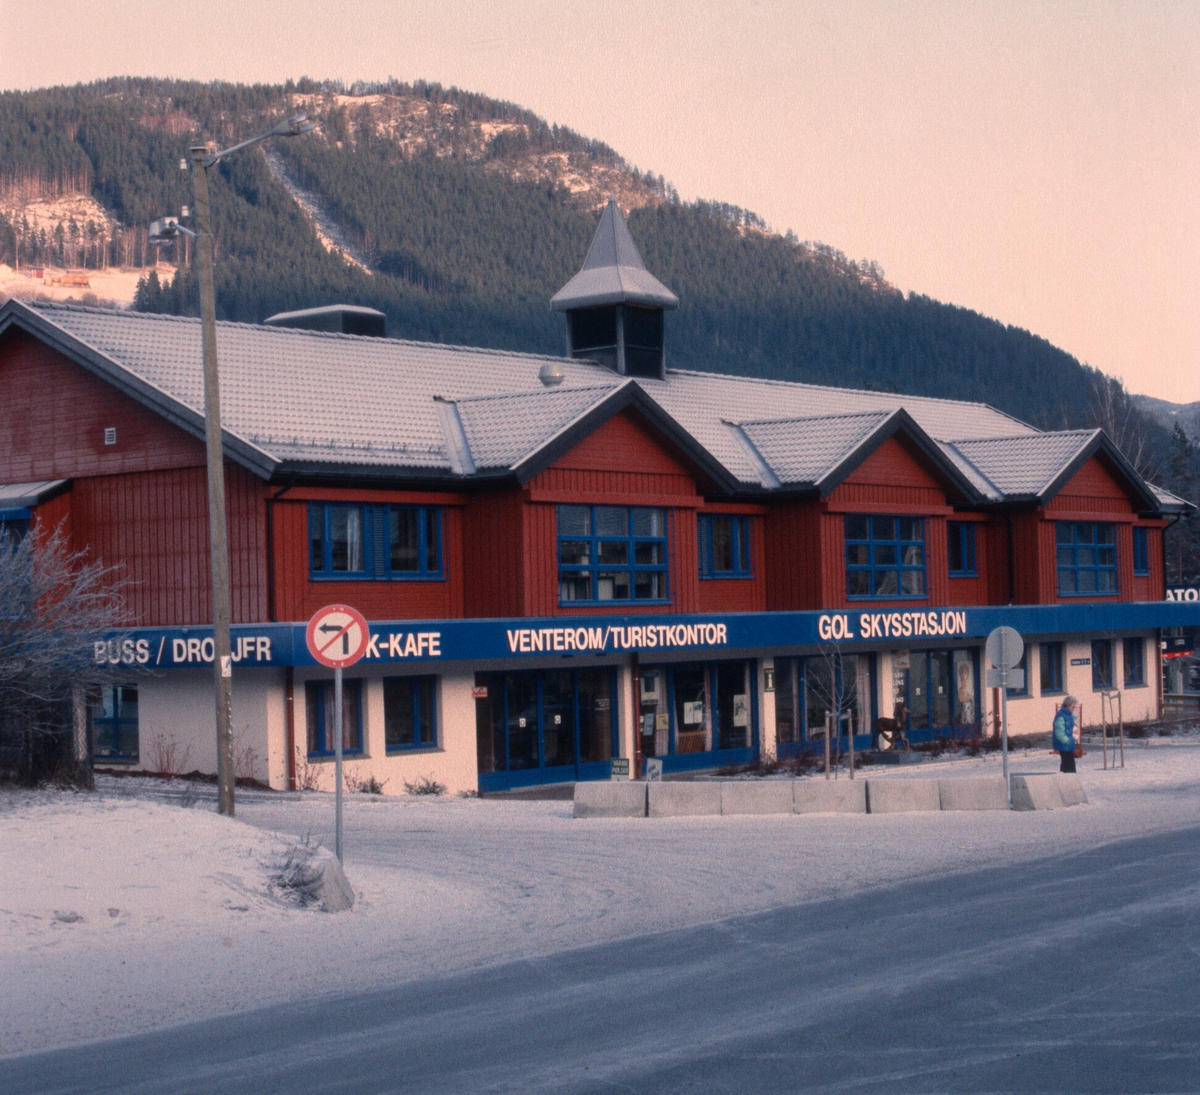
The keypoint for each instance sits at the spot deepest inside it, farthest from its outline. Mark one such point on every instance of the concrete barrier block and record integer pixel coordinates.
(819, 796)
(756, 796)
(1071, 789)
(610, 798)
(1037, 793)
(902, 796)
(976, 793)
(683, 799)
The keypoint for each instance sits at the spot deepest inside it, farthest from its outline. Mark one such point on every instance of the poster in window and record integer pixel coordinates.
(693, 712)
(741, 710)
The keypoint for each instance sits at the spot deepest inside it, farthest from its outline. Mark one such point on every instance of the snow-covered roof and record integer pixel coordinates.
(323, 403)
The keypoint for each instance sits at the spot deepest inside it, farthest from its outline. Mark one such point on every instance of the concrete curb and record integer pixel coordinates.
(743, 797)
(974, 793)
(903, 796)
(711, 798)
(692, 799)
(610, 798)
(829, 797)
(1047, 792)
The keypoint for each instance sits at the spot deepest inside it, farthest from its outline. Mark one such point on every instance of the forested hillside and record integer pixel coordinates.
(459, 216)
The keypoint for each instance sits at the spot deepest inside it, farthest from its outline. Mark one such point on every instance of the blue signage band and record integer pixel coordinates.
(264, 645)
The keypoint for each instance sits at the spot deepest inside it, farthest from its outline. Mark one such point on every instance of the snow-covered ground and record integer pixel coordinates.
(126, 910)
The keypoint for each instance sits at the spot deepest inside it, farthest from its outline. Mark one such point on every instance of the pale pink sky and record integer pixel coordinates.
(1037, 162)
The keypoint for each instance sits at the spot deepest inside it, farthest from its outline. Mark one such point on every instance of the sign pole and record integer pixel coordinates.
(1004, 730)
(337, 636)
(337, 759)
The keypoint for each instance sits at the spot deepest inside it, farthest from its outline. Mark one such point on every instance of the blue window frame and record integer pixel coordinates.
(351, 541)
(1050, 657)
(115, 723)
(1135, 662)
(885, 556)
(409, 713)
(14, 525)
(1087, 558)
(1102, 664)
(724, 546)
(960, 536)
(611, 553)
(1141, 550)
(320, 715)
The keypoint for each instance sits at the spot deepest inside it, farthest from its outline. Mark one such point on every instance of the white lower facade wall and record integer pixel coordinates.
(451, 762)
(177, 731)
(177, 724)
(1033, 713)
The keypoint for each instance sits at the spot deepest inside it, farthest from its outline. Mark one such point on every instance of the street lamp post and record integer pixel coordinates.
(202, 161)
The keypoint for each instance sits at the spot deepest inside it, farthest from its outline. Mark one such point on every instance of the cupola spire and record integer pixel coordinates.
(614, 305)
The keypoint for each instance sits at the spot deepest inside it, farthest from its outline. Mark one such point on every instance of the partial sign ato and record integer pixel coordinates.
(337, 636)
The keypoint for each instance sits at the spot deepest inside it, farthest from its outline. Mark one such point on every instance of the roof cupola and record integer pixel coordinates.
(614, 305)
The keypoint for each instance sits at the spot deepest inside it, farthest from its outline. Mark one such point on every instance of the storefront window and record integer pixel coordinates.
(808, 689)
(320, 715)
(1102, 667)
(1135, 661)
(940, 690)
(696, 708)
(556, 721)
(409, 716)
(115, 723)
(1050, 658)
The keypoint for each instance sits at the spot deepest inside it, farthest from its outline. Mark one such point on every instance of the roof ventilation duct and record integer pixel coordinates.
(341, 319)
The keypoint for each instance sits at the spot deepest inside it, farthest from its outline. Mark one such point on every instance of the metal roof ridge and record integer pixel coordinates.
(766, 474)
(884, 412)
(1020, 436)
(525, 393)
(295, 331)
(856, 391)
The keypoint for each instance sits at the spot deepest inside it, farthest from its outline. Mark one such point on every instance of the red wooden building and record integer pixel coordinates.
(618, 558)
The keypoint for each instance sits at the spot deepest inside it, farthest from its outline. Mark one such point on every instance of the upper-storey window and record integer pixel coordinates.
(377, 542)
(1087, 558)
(1141, 550)
(611, 553)
(960, 536)
(885, 556)
(724, 546)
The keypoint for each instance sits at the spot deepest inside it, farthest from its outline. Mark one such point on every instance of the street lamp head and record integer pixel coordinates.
(164, 230)
(295, 126)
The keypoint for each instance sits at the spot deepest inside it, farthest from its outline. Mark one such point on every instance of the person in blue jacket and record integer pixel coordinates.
(1064, 733)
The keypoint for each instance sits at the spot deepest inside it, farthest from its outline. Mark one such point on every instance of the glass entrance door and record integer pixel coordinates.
(544, 726)
(941, 688)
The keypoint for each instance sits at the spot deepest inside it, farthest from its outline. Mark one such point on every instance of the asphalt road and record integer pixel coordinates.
(1074, 974)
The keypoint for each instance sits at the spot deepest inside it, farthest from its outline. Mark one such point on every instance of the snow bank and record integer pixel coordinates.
(448, 884)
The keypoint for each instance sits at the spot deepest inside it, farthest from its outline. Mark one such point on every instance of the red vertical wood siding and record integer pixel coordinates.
(155, 526)
(794, 561)
(1152, 586)
(493, 554)
(55, 415)
(297, 596)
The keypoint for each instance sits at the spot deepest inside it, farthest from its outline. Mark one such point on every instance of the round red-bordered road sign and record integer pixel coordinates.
(337, 636)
